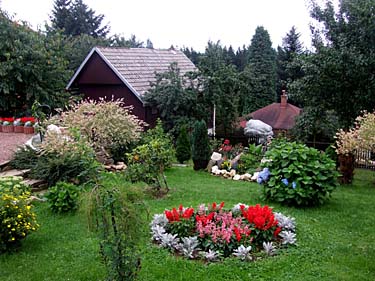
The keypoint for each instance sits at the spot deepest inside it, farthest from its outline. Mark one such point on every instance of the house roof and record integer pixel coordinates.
(277, 116)
(136, 67)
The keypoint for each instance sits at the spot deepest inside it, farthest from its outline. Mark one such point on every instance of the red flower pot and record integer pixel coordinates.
(28, 130)
(18, 129)
(7, 129)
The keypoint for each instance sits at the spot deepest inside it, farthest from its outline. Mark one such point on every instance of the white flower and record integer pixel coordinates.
(285, 222)
(243, 253)
(269, 248)
(288, 237)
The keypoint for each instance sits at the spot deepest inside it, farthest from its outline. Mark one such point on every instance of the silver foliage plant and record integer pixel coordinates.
(243, 253)
(211, 255)
(269, 248)
(188, 247)
(288, 237)
(286, 223)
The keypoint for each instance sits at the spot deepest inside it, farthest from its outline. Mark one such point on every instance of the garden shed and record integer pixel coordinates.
(125, 73)
(280, 116)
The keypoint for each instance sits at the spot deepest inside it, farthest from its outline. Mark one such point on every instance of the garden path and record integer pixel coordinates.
(9, 143)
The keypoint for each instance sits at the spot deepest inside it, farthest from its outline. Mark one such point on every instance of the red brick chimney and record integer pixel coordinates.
(284, 99)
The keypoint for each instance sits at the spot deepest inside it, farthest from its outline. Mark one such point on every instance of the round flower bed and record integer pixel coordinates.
(212, 233)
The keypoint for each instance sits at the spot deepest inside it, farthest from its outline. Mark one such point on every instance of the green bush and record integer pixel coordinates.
(24, 158)
(250, 160)
(148, 161)
(200, 145)
(68, 158)
(183, 147)
(16, 217)
(299, 175)
(63, 197)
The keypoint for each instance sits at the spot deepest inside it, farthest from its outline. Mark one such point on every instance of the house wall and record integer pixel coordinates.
(97, 80)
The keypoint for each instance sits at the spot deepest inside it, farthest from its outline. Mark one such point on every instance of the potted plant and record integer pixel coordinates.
(29, 127)
(18, 125)
(7, 127)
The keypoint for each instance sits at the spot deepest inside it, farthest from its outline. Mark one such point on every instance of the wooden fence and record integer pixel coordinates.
(365, 159)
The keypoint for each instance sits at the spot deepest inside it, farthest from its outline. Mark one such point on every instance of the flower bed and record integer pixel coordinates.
(212, 233)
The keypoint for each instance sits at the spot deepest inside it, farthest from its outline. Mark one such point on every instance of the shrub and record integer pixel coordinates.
(299, 175)
(24, 158)
(183, 147)
(63, 197)
(148, 161)
(211, 232)
(107, 124)
(200, 145)
(68, 158)
(116, 215)
(250, 160)
(16, 217)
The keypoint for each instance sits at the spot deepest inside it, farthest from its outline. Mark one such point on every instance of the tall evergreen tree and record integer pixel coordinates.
(76, 18)
(259, 76)
(183, 147)
(289, 67)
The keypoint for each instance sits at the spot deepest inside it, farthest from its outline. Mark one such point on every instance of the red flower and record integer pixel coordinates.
(237, 233)
(261, 217)
(226, 142)
(277, 231)
(177, 215)
(205, 219)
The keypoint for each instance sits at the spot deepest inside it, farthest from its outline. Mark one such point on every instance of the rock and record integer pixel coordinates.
(216, 156)
(246, 177)
(211, 163)
(255, 176)
(214, 169)
(232, 173)
(236, 177)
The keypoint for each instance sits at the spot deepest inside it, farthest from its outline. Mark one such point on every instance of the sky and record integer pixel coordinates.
(189, 23)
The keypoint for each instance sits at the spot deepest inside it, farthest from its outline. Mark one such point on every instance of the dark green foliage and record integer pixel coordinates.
(76, 18)
(183, 147)
(314, 125)
(259, 76)
(250, 160)
(115, 211)
(200, 145)
(339, 74)
(300, 176)
(33, 67)
(174, 96)
(63, 197)
(24, 158)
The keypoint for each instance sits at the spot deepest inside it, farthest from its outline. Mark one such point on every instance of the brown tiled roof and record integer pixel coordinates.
(277, 116)
(138, 65)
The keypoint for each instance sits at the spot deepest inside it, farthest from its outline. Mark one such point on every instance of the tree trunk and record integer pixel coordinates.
(346, 168)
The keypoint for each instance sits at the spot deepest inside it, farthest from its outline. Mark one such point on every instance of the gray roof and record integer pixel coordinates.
(136, 67)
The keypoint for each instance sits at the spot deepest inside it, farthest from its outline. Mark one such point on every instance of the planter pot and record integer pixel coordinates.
(28, 130)
(7, 129)
(18, 129)
(200, 164)
(346, 168)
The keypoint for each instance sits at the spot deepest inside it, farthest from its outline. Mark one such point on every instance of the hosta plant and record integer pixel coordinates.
(212, 233)
(299, 175)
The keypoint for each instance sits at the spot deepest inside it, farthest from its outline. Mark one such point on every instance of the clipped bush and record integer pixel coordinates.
(183, 146)
(299, 175)
(16, 217)
(200, 146)
(63, 197)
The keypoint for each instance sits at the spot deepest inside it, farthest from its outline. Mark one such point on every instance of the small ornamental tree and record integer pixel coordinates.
(183, 147)
(200, 145)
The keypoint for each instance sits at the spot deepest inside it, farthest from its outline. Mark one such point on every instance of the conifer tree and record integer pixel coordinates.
(183, 147)
(200, 146)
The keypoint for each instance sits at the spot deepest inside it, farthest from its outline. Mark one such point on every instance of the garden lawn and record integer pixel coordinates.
(335, 241)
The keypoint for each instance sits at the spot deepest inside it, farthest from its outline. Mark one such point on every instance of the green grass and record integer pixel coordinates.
(335, 241)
